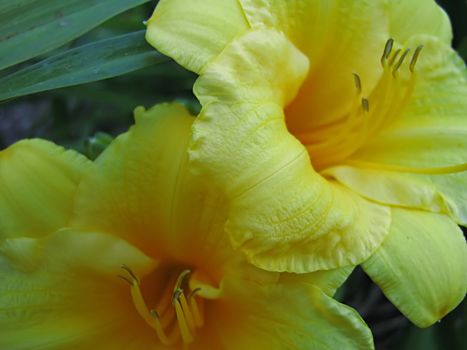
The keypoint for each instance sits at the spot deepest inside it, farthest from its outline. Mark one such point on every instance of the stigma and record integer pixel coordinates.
(178, 314)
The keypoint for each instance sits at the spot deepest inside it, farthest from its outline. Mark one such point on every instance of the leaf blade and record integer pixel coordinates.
(91, 62)
(29, 28)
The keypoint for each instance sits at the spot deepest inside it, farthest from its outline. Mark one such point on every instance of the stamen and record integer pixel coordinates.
(366, 104)
(130, 282)
(399, 63)
(130, 272)
(394, 57)
(387, 51)
(166, 340)
(181, 279)
(164, 308)
(182, 321)
(414, 59)
(188, 315)
(195, 308)
(358, 82)
(194, 292)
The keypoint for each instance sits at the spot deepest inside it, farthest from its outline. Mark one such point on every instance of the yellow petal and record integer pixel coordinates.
(394, 188)
(420, 159)
(141, 189)
(62, 292)
(339, 37)
(283, 215)
(422, 265)
(291, 316)
(307, 225)
(429, 19)
(193, 32)
(326, 280)
(38, 181)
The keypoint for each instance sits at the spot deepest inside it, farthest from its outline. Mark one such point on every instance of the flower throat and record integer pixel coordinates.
(178, 313)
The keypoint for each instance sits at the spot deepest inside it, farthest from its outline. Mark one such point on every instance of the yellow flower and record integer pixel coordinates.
(329, 138)
(69, 228)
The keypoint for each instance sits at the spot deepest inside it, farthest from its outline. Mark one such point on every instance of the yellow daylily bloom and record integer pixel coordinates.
(330, 125)
(141, 260)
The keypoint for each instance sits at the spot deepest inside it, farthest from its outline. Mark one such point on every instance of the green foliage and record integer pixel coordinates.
(95, 61)
(60, 56)
(39, 26)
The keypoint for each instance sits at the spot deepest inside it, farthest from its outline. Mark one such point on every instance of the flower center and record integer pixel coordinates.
(178, 313)
(333, 142)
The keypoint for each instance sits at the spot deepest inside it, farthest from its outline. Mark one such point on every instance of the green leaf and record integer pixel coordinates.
(95, 61)
(29, 28)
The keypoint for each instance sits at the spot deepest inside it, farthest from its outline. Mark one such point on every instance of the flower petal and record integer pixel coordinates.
(422, 265)
(146, 193)
(193, 32)
(430, 20)
(307, 225)
(340, 38)
(283, 215)
(62, 292)
(326, 280)
(38, 181)
(287, 316)
(420, 159)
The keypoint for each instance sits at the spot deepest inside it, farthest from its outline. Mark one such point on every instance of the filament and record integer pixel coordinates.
(187, 311)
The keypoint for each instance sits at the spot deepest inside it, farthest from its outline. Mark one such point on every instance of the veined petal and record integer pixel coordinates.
(326, 280)
(141, 189)
(340, 38)
(420, 159)
(62, 292)
(422, 265)
(307, 225)
(283, 215)
(286, 316)
(38, 180)
(394, 188)
(430, 19)
(243, 93)
(193, 32)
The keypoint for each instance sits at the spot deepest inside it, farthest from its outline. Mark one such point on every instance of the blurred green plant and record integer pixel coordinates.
(52, 48)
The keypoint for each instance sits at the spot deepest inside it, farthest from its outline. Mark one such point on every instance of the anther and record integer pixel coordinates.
(193, 292)
(358, 82)
(189, 316)
(394, 57)
(133, 278)
(399, 63)
(130, 272)
(126, 279)
(176, 295)
(181, 279)
(387, 50)
(365, 104)
(414, 59)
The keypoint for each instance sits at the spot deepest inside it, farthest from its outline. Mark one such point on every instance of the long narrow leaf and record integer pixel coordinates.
(96, 61)
(29, 28)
